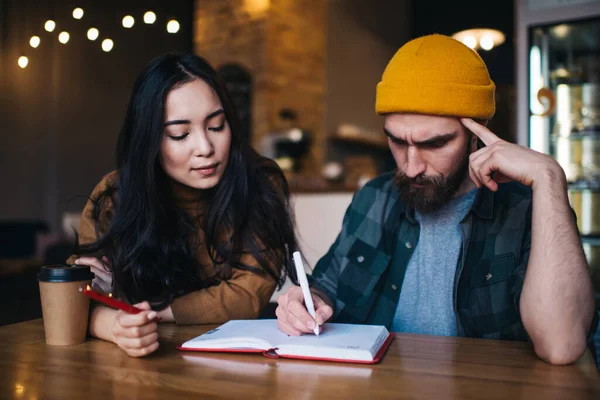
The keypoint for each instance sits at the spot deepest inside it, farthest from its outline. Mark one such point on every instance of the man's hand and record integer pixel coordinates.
(292, 316)
(557, 299)
(508, 162)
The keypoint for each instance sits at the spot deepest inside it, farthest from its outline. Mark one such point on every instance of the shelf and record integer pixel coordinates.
(594, 135)
(582, 36)
(591, 240)
(329, 189)
(364, 140)
(299, 183)
(593, 186)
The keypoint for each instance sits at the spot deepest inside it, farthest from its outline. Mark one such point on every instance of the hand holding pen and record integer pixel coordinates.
(293, 317)
(134, 328)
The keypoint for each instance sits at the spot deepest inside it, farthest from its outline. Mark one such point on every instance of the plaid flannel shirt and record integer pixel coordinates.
(362, 272)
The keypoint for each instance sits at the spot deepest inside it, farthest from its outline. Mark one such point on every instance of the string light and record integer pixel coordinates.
(77, 13)
(34, 41)
(149, 17)
(23, 61)
(93, 34)
(64, 37)
(173, 26)
(107, 45)
(50, 25)
(128, 21)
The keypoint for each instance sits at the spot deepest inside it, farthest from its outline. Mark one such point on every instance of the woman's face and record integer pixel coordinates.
(195, 146)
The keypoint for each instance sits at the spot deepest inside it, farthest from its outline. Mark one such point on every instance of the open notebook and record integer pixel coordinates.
(337, 342)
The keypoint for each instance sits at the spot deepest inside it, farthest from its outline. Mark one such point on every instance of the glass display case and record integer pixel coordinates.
(564, 95)
(563, 102)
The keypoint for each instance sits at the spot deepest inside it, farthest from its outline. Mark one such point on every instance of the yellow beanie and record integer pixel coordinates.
(436, 75)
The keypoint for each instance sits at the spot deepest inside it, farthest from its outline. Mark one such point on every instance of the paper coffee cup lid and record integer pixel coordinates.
(63, 273)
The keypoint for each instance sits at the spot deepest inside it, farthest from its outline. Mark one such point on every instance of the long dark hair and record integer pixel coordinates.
(151, 242)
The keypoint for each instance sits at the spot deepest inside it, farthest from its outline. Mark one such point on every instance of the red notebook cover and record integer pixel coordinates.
(272, 353)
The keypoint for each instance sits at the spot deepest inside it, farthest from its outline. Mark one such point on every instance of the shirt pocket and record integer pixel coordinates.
(491, 305)
(498, 269)
(365, 265)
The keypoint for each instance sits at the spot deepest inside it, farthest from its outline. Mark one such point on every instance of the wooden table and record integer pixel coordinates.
(414, 367)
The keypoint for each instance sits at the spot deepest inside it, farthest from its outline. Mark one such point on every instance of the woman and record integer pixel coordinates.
(193, 226)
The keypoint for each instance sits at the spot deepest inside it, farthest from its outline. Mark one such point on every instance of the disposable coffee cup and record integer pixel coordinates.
(64, 307)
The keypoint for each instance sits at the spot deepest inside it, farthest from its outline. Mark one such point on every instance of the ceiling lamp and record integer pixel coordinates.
(476, 39)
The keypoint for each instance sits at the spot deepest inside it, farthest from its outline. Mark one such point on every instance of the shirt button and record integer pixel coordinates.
(394, 287)
(360, 259)
(488, 276)
(408, 245)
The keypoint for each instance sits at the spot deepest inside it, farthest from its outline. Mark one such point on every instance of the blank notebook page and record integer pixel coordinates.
(335, 340)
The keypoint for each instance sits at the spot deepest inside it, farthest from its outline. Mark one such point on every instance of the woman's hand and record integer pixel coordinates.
(102, 281)
(136, 334)
(166, 315)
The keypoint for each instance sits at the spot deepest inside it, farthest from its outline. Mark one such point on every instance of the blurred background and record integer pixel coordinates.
(302, 74)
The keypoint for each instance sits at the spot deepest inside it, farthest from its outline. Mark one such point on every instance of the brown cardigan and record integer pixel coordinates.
(242, 296)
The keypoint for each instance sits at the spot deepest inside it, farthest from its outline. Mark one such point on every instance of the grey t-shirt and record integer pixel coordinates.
(425, 305)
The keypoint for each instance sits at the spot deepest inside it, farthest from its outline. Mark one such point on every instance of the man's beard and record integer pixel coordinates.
(435, 191)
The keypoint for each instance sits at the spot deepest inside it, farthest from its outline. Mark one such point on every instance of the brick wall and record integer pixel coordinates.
(282, 44)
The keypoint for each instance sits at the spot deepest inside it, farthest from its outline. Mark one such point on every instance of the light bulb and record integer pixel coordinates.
(128, 21)
(107, 45)
(173, 26)
(77, 13)
(23, 61)
(561, 31)
(50, 25)
(470, 41)
(93, 34)
(149, 17)
(486, 42)
(64, 37)
(34, 41)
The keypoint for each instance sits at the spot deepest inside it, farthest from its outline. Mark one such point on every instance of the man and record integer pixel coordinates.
(458, 241)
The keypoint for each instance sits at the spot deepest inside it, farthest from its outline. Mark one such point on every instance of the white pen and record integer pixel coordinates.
(304, 286)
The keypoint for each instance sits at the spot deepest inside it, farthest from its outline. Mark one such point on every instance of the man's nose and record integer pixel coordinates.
(415, 165)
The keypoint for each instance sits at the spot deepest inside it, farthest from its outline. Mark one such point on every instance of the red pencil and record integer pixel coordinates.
(109, 301)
